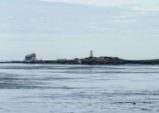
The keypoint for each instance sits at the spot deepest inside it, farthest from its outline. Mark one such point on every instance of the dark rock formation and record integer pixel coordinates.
(89, 61)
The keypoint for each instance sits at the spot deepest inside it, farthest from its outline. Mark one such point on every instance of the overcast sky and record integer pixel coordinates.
(71, 28)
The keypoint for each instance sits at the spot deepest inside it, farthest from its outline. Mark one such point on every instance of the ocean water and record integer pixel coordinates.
(43, 88)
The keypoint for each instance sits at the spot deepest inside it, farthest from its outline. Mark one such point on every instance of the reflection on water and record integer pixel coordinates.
(30, 88)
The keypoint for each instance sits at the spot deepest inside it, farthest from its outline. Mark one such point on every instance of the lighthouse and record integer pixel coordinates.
(91, 54)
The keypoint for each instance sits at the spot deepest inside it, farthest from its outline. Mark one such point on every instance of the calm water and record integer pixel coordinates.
(79, 88)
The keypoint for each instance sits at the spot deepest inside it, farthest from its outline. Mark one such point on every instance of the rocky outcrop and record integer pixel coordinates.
(89, 61)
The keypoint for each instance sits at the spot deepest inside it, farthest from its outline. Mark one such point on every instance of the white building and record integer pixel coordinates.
(91, 54)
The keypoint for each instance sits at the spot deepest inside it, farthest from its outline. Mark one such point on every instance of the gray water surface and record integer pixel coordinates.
(39, 88)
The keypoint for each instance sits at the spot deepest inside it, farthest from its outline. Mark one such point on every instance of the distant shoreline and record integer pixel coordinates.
(90, 61)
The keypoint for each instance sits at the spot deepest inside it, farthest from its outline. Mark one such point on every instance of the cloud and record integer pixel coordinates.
(144, 9)
(143, 3)
(124, 16)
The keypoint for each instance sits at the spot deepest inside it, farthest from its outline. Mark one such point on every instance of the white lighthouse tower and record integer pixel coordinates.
(91, 54)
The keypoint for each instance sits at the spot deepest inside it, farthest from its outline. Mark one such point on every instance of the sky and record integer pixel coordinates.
(55, 29)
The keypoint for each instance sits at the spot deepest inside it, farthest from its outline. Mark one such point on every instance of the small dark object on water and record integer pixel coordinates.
(134, 103)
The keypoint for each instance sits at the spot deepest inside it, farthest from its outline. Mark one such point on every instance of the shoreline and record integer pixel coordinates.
(90, 61)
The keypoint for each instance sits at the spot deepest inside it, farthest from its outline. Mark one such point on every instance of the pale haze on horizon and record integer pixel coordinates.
(71, 28)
